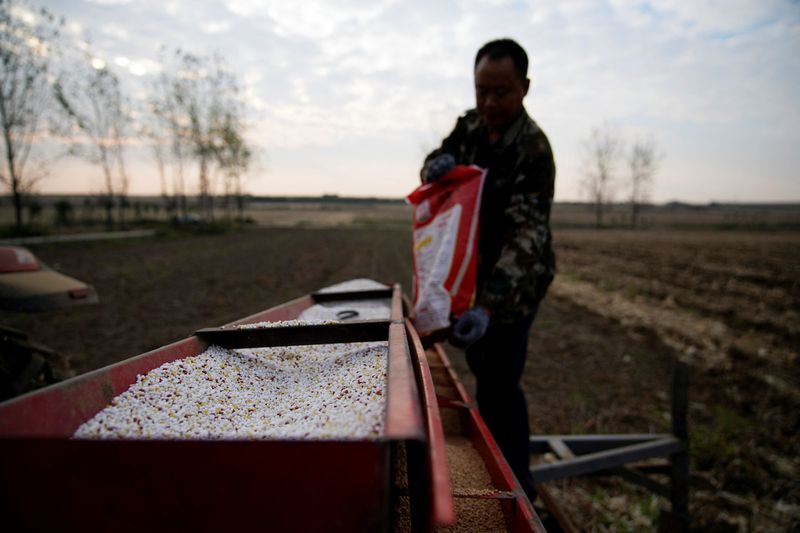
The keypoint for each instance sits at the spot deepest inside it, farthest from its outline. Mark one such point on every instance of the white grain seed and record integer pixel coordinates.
(332, 391)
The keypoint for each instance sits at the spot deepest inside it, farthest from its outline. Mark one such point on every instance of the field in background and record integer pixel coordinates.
(624, 306)
(327, 214)
(52, 216)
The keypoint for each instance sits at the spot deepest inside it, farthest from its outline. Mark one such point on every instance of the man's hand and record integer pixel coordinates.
(439, 166)
(470, 327)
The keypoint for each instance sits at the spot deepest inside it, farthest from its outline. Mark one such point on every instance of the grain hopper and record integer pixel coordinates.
(399, 480)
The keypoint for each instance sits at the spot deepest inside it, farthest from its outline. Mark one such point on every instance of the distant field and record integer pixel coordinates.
(296, 214)
(684, 216)
(333, 211)
(624, 306)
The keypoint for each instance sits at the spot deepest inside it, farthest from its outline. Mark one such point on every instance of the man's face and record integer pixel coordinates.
(498, 91)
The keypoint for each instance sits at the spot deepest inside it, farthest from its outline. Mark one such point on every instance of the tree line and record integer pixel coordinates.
(58, 98)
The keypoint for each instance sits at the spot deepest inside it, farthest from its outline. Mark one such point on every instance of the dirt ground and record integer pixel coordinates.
(625, 305)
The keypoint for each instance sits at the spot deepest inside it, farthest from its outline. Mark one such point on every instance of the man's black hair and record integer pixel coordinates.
(500, 48)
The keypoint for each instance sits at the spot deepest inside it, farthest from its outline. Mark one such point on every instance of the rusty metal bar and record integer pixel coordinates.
(604, 460)
(629, 474)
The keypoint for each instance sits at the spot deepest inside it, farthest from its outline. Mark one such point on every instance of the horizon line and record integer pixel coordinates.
(794, 202)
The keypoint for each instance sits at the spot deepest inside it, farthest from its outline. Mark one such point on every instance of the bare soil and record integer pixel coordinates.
(624, 306)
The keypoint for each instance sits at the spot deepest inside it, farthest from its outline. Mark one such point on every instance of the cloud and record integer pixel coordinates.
(312, 19)
(216, 27)
(116, 31)
(326, 78)
(110, 2)
(722, 16)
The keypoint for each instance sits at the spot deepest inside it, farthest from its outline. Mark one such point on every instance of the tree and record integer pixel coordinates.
(643, 163)
(153, 131)
(199, 103)
(603, 149)
(234, 158)
(91, 97)
(167, 127)
(27, 44)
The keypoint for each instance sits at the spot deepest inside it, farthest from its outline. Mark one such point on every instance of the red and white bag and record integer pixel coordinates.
(445, 246)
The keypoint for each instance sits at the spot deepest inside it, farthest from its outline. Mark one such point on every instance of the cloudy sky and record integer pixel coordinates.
(346, 96)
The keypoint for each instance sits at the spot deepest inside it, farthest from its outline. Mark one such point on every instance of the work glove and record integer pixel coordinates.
(439, 166)
(470, 327)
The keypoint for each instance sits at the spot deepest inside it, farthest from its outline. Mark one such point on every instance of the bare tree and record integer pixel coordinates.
(27, 44)
(200, 103)
(234, 157)
(120, 139)
(91, 97)
(603, 149)
(210, 105)
(643, 160)
(152, 129)
(170, 129)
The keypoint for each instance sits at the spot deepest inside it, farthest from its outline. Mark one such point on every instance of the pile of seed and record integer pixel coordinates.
(343, 310)
(334, 391)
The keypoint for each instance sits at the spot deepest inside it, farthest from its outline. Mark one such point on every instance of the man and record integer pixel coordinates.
(516, 262)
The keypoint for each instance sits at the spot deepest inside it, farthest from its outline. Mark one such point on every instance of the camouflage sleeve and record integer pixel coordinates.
(450, 145)
(526, 263)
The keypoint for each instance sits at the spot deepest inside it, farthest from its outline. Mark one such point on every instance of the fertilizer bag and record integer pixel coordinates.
(445, 245)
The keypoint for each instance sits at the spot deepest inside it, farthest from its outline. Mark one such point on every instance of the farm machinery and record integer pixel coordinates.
(434, 465)
(28, 285)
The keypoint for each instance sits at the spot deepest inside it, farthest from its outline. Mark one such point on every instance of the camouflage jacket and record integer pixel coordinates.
(516, 262)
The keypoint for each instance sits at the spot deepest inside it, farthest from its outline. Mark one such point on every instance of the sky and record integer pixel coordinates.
(347, 96)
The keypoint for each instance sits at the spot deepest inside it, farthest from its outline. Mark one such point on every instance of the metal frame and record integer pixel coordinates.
(355, 331)
(582, 455)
